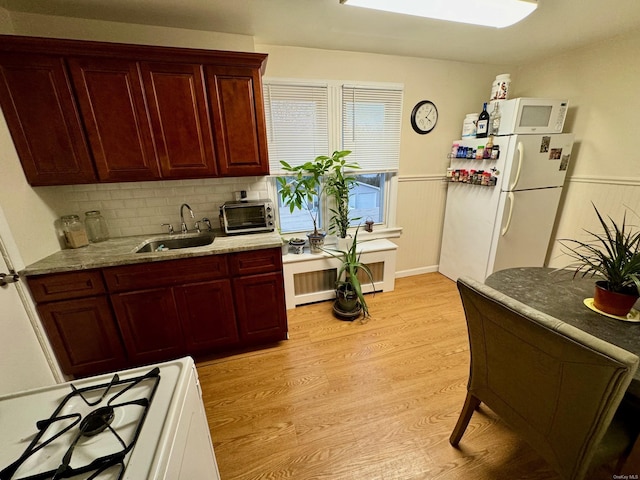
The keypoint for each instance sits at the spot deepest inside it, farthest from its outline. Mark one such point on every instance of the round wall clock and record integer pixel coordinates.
(424, 117)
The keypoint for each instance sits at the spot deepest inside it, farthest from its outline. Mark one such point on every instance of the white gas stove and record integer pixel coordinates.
(143, 423)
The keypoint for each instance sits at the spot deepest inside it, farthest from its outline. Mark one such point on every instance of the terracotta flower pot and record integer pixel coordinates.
(613, 303)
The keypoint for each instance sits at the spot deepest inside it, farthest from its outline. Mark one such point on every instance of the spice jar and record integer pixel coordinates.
(75, 234)
(97, 230)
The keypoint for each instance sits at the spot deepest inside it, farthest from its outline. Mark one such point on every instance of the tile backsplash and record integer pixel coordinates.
(139, 208)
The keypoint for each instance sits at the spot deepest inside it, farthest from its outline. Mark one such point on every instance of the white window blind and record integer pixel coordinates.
(371, 121)
(297, 123)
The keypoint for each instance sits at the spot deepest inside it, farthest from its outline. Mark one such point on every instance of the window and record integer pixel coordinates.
(367, 199)
(307, 120)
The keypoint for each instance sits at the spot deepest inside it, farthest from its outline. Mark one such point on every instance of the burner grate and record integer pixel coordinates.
(128, 399)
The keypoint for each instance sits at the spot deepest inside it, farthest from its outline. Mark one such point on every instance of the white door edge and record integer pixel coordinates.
(12, 258)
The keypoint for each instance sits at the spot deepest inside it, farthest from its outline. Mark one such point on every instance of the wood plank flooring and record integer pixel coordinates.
(361, 401)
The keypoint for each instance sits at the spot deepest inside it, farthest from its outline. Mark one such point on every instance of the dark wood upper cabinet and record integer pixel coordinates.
(238, 116)
(179, 112)
(82, 112)
(51, 146)
(113, 107)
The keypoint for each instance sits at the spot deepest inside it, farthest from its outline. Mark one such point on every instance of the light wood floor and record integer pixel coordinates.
(361, 401)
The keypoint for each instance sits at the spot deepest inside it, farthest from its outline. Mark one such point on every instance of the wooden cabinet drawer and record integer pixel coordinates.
(162, 274)
(256, 261)
(63, 286)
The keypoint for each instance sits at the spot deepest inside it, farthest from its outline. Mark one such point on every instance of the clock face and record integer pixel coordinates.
(424, 117)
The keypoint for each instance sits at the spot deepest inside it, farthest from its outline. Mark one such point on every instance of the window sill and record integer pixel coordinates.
(332, 240)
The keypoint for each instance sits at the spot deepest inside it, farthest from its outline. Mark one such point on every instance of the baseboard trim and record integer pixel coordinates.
(416, 271)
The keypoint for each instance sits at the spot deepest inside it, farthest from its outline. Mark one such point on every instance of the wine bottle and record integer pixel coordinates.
(483, 123)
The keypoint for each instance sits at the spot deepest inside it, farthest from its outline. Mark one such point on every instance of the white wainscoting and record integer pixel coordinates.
(613, 196)
(421, 205)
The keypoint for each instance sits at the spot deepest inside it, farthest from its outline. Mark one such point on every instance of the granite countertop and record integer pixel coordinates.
(121, 251)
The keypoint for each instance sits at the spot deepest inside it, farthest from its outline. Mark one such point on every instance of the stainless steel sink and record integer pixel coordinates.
(174, 242)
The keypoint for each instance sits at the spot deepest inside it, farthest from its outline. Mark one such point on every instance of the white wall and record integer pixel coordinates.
(601, 83)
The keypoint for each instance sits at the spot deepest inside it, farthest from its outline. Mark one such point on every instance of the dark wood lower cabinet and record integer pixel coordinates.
(150, 325)
(106, 319)
(262, 316)
(84, 335)
(207, 314)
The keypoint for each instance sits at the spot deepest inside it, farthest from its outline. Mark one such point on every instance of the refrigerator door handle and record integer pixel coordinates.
(520, 149)
(505, 229)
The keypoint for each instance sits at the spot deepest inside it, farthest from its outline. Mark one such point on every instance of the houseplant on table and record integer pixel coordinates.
(613, 256)
(350, 301)
(325, 175)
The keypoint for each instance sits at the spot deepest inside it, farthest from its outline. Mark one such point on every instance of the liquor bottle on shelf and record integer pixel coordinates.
(495, 119)
(488, 148)
(483, 123)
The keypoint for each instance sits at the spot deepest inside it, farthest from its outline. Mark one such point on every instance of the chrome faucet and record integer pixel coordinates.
(183, 226)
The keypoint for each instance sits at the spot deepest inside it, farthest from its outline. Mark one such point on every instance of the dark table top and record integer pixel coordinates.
(557, 293)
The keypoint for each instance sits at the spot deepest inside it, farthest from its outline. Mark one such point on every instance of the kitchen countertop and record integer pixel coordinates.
(121, 251)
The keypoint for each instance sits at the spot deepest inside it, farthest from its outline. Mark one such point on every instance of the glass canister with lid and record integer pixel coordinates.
(97, 230)
(75, 234)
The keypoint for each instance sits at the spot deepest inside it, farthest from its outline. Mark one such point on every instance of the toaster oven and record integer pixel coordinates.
(247, 217)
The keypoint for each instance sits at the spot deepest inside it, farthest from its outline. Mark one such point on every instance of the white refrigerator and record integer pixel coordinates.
(507, 224)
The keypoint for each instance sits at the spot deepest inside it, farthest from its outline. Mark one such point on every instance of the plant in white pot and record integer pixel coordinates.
(339, 183)
(311, 181)
(613, 257)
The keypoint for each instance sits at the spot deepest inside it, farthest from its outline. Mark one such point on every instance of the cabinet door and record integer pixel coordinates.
(150, 325)
(40, 110)
(238, 117)
(179, 112)
(260, 307)
(113, 108)
(84, 335)
(207, 316)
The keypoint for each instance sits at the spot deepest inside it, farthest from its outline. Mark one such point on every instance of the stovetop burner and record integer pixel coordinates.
(89, 434)
(97, 421)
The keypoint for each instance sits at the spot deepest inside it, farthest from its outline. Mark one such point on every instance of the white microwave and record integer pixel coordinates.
(532, 115)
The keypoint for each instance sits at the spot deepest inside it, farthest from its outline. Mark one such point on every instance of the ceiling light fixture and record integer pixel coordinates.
(490, 13)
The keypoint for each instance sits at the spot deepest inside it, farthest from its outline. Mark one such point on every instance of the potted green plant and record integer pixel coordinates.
(614, 256)
(350, 301)
(307, 188)
(339, 184)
